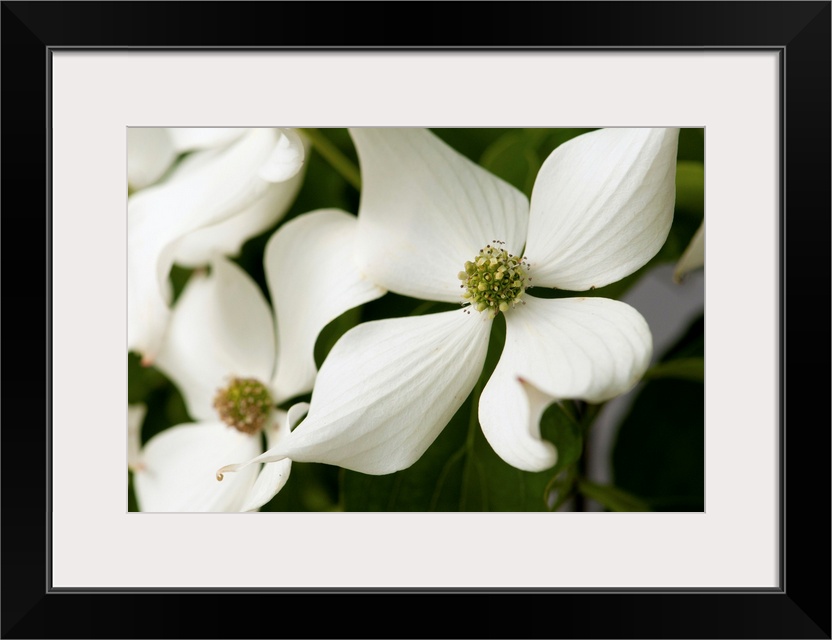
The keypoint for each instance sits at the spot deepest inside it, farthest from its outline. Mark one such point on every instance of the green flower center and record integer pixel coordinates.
(244, 404)
(494, 280)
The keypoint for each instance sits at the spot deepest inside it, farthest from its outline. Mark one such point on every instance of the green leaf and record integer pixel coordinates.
(690, 188)
(557, 426)
(165, 405)
(682, 369)
(551, 139)
(659, 452)
(561, 488)
(323, 187)
(179, 277)
(692, 144)
(311, 487)
(513, 158)
(612, 498)
(132, 504)
(330, 334)
(324, 146)
(470, 142)
(142, 381)
(461, 472)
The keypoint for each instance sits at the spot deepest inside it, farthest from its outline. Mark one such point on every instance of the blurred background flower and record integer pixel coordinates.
(237, 184)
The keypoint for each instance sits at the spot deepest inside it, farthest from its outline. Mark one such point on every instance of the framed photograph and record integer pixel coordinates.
(687, 510)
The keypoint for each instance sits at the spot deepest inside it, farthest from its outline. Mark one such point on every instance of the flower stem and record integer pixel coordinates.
(333, 155)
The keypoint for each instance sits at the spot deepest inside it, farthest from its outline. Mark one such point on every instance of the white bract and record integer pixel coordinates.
(434, 225)
(236, 183)
(233, 365)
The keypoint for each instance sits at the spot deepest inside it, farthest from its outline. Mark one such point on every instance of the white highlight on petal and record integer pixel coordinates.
(426, 209)
(590, 349)
(207, 189)
(150, 151)
(313, 279)
(386, 390)
(694, 255)
(602, 206)
(135, 417)
(221, 326)
(179, 469)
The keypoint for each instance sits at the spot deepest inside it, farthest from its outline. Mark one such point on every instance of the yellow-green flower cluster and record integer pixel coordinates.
(494, 280)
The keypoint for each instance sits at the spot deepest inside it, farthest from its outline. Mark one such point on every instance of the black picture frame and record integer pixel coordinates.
(799, 608)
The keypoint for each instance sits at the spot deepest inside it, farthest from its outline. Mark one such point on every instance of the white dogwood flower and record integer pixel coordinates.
(434, 225)
(233, 365)
(237, 184)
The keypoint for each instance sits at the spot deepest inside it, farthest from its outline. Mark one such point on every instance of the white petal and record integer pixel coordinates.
(180, 469)
(313, 279)
(510, 410)
(426, 209)
(192, 138)
(286, 158)
(694, 255)
(274, 475)
(581, 348)
(602, 206)
(228, 236)
(150, 152)
(221, 327)
(296, 412)
(135, 417)
(208, 189)
(385, 392)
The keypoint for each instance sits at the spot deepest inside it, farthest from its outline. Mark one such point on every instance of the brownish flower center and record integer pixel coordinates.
(244, 404)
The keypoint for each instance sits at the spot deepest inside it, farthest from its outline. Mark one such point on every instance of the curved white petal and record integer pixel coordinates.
(221, 327)
(581, 348)
(180, 465)
(510, 410)
(426, 209)
(602, 206)
(286, 158)
(313, 279)
(150, 152)
(192, 138)
(385, 392)
(228, 236)
(296, 412)
(135, 417)
(273, 475)
(209, 188)
(694, 255)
